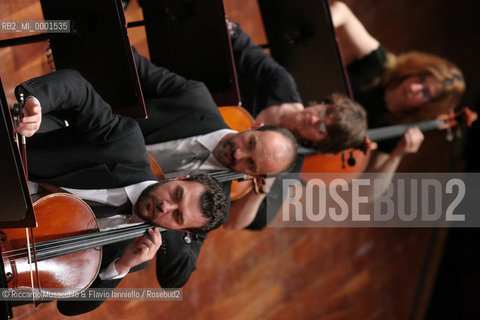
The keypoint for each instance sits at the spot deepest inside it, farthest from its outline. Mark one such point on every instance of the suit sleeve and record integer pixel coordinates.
(177, 259)
(72, 308)
(158, 81)
(67, 93)
(260, 71)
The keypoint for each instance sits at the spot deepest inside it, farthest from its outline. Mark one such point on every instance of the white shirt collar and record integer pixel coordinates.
(211, 140)
(133, 191)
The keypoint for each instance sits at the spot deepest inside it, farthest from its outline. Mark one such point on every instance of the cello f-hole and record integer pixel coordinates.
(351, 160)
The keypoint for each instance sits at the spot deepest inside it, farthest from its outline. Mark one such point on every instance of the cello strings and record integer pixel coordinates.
(51, 248)
(99, 239)
(31, 265)
(78, 246)
(379, 134)
(80, 242)
(223, 176)
(91, 235)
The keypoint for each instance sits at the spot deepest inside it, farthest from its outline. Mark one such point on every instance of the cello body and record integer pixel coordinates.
(59, 215)
(333, 163)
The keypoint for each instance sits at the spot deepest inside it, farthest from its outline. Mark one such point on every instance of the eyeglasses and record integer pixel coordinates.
(426, 93)
(322, 128)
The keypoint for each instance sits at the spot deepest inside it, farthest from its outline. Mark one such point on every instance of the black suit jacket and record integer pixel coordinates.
(88, 154)
(263, 83)
(177, 108)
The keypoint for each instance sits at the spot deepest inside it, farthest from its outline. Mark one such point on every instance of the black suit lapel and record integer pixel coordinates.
(178, 125)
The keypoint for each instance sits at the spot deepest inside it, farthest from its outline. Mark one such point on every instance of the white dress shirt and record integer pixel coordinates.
(119, 196)
(113, 197)
(194, 144)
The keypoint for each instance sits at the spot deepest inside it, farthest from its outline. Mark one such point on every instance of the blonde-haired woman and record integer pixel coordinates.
(407, 88)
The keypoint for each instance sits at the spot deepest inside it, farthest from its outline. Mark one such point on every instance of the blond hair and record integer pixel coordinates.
(417, 63)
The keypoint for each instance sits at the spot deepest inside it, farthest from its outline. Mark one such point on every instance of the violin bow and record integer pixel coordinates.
(17, 114)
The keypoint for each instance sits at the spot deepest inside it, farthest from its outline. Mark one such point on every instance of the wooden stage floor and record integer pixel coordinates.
(299, 273)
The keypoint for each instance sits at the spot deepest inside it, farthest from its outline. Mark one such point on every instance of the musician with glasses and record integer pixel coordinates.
(184, 123)
(269, 93)
(407, 88)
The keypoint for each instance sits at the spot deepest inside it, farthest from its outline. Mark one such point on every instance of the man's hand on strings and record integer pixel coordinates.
(139, 251)
(32, 117)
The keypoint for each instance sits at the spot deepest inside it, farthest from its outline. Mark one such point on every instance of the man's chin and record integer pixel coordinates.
(228, 161)
(142, 212)
(224, 161)
(145, 218)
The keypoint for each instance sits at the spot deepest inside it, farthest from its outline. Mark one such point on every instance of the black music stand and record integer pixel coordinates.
(190, 38)
(302, 39)
(17, 208)
(97, 46)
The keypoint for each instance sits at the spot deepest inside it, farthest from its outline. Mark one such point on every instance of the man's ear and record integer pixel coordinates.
(180, 178)
(256, 125)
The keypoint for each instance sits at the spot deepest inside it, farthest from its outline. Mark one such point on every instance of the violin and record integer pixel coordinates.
(359, 157)
(65, 252)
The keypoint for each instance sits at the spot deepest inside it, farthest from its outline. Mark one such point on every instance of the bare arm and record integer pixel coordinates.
(386, 164)
(355, 41)
(244, 210)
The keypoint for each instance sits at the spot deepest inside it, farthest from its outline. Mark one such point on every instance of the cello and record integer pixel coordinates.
(47, 259)
(54, 257)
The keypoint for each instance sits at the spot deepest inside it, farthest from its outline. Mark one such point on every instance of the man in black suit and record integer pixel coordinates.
(88, 158)
(179, 110)
(171, 100)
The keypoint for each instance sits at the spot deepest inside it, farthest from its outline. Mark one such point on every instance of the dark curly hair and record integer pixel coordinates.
(213, 203)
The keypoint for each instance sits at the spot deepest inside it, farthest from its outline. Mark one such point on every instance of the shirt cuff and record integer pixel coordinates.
(32, 187)
(110, 273)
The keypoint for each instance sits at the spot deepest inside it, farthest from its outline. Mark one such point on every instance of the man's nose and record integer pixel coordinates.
(416, 87)
(314, 118)
(239, 154)
(168, 206)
